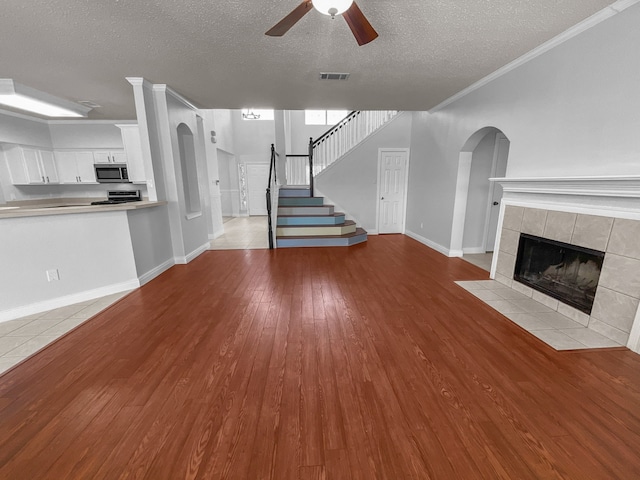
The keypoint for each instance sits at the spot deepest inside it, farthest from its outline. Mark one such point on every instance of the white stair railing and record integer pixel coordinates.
(336, 142)
(347, 134)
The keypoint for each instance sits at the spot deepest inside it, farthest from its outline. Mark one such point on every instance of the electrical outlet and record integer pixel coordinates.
(53, 275)
(421, 225)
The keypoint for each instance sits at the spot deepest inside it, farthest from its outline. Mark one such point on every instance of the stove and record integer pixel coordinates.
(120, 196)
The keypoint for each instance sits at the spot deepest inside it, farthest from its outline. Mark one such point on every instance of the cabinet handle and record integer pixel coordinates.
(43, 179)
(48, 180)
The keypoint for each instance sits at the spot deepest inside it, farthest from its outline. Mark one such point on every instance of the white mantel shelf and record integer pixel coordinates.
(624, 186)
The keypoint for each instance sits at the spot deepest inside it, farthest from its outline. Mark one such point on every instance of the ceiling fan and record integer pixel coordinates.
(358, 23)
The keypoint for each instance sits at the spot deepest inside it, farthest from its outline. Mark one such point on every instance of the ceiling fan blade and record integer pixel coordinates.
(359, 25)
(290, 20)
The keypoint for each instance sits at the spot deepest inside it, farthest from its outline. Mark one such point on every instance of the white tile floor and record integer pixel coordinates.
(482, 260)
(243, 233)
(553, 328)
(24, 336)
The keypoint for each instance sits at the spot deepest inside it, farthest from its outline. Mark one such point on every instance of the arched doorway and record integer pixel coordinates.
(477, 205)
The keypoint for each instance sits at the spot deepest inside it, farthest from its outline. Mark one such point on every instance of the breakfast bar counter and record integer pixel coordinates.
(67, 206)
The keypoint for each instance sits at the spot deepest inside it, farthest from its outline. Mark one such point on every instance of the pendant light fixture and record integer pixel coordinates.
(332, 7)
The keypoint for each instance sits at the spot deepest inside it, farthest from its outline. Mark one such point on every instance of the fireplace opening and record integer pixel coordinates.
(566, 272)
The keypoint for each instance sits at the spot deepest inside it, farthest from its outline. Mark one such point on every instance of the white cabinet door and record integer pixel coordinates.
(48, 166)
(86, 171)
(75, 167)
(16, 164)
(118, 156)
(67, 168)
(102, 157)
(31, 160)
(111, 156)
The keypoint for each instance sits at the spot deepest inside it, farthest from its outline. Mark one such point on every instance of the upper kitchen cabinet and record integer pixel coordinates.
(109, 156)
(75, 166)
(30, 166)
(133, 150)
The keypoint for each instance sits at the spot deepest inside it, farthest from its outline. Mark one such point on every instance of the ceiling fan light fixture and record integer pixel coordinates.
(332, 7)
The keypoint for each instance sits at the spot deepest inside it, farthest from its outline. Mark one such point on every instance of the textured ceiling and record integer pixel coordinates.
(216, 54)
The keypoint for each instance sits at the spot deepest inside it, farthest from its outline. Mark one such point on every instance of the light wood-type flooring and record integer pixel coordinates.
(366, 362)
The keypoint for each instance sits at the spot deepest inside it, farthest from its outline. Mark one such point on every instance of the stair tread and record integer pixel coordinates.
(335, 214)
(305, 206)
(359, 231)
(347, 223)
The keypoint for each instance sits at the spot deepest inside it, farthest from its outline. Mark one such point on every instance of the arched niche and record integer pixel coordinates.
(189, 169)
(484, 155)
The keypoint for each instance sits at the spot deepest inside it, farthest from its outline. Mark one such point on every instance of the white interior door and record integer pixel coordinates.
(392, 186)
(257, 178)
(499, 170)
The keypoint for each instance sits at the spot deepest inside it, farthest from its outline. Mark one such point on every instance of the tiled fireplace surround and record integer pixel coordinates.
(607, 220)
(618, 294)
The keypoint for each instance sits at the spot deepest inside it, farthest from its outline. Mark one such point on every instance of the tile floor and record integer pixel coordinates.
(242, 233)
(482, 260)
(24, 336)
(551, 327)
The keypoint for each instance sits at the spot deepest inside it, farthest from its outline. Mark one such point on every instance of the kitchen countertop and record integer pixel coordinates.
(61, 206)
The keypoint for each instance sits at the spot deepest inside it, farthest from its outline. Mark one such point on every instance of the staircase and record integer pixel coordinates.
(305, 221)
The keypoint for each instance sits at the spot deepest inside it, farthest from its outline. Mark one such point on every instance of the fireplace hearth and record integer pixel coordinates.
(566, 272)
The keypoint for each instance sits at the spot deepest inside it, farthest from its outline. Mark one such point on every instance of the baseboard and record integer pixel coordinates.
(431, 244)
(473, 250)
(66, 300)
(190, 256)
(154, 272)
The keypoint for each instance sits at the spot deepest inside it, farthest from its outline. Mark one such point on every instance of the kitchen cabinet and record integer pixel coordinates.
(133, 149)
(109, 156)
(30, 166)
(75, 166)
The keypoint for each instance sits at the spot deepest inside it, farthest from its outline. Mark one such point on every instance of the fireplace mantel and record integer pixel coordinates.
(619, 186)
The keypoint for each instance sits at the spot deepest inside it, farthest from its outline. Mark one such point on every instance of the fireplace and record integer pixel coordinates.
(566, 272)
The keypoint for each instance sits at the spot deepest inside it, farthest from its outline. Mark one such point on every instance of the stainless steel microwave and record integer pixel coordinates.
(112, 173)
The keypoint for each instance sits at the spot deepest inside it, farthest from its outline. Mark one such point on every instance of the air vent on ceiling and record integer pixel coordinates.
(334, 76)
(89, 103)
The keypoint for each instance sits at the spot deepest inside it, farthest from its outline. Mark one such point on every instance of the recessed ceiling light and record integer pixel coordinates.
(25, 98)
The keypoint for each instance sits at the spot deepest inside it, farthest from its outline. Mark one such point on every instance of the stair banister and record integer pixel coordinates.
(272, 177)
(311, 166)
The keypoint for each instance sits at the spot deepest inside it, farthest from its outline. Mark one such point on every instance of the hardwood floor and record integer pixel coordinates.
(365, 362)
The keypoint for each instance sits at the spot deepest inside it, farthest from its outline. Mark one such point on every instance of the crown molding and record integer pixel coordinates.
(139, 81)
(568, 34)
(161, 87)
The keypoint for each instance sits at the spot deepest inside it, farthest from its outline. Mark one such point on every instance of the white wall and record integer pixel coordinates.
(352, 182)
(85, 134)
(91, 251)
(570, 111)
(300, 133)
(224, 130)
(152, 248)
(252, 138)
(20, 129)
